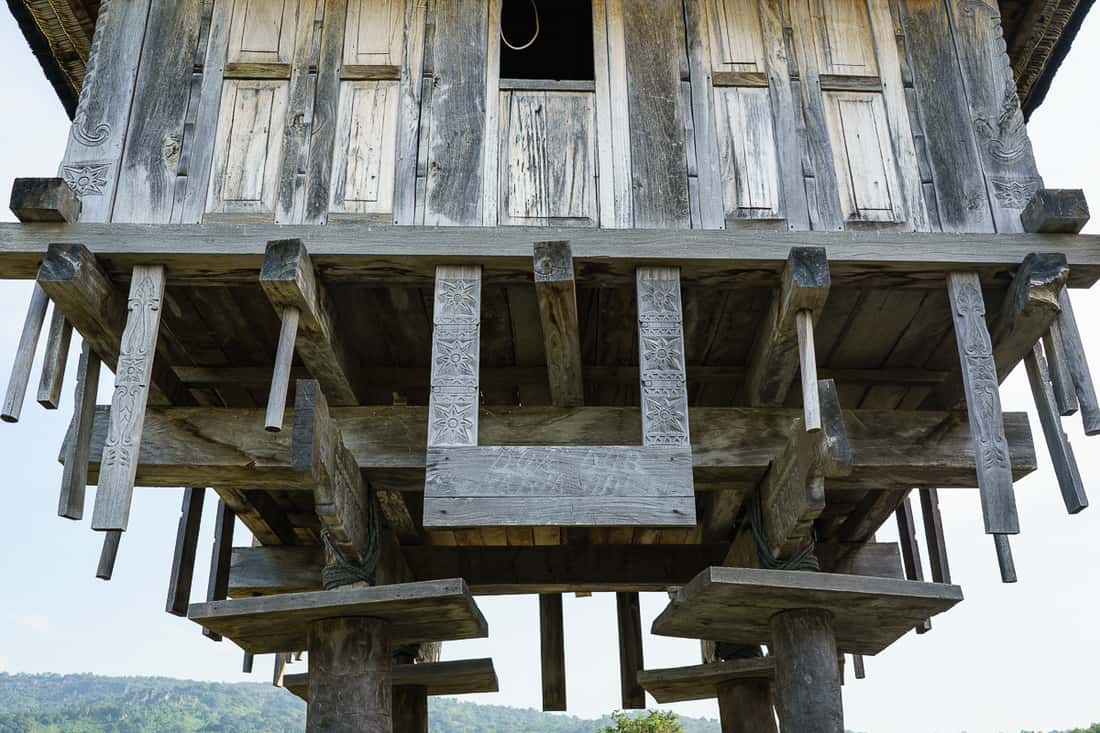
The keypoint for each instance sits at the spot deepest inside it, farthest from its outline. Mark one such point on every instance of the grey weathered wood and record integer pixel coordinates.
(662, 364)
(1061, 452)
(557, 298)
(552, 646)
(24, 355)
(290, 202)
(1004, 558)
(933, 534)
(735, 604)
(879, 559)
(745, 706)
(456, 348)
(438, 610)
(246, 664)
(654, 36)
(775, 354)
(280, 375)
(74, 477)
(1078, 365)
(732, 447)
(910, 550)
(979, 375)
(349, 676)
(217, 586)
(323, 128)
(54, 360)
(232, 254)
(44, 200)
(631, 661)
(712, 211)
(289, 281)
(807, 676)
(455, 677)
(702, 681)
(108, 554)
(858, 668)
(411, 114)
(1061, 380)
(410, 709)
(183, 559)
(807, 360)
(1055, 210)
(133, 377)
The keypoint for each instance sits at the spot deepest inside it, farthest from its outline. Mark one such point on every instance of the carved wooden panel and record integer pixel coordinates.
(374, 33)
(736, 40)
(842, 37)
(262, 31)
(662, 365)
(247, 148)
(456, 350)
(547, 158)
(366, 139)
(748, 161)
(863, 156)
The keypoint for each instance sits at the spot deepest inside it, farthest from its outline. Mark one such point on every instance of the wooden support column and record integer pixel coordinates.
(1061, 452)
(784, 341)
(557, 298)
(661, 358)
(133, 376)
(983, 399)
(552, 645)
(933, 534)
(1078, 366)
(910, 551)
(410, 709)
(24, 355)
(58, 338)
(807, 676)
(631, 661)
(183, 560)
(74, 477)
(308, 328)
(349, 677)
(221, 553)
(745, 706)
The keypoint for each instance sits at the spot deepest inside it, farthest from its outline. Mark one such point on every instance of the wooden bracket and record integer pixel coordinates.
(44, 200)
(308, 328)
(784, 343)
(557, 298)
(1056, 211)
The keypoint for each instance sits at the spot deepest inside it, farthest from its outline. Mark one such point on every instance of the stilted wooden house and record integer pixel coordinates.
(447, 298)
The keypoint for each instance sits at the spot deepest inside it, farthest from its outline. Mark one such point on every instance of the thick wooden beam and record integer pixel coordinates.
(221, 553)
(1078, 365)
(1055, 211)
(557, 298)
(54, 360)
(74, 477)
(44, 200)
(732, 447)
(1061, 452)
(552, 644)
(349, 676)
(631, 661)
(83, 292)
(774, 359)
(183, 559)
(212, 254)
(133, 377)
(290, 282)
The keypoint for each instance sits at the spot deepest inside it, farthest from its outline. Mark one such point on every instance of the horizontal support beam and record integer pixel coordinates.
(213, 254)
(541, 569)
(731, 446)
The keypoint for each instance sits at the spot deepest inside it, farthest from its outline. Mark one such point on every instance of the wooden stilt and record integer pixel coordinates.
(910, 550)
(24, 355)
(107, 555)
(552, 642)
(857, 665)
(74, 478)
(280, 376)
(1004, 558)
(218, 584)
(933, 535)
(630, 650)
(278, 672)
(56, 357)
(410, 709)
(1060, 378)
(557, 298)
(807, 677)
(349, 677)
(246, 663)
(1061, 452)
(1078, 365)
(745, 706)
(183, 560)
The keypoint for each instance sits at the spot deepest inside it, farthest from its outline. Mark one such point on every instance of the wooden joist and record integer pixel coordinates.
(183, 559)
(631, 660)
(211, 254)
(775, 356)
(438, 610)
(552, 651)
(456, 677)
(556, 289)
(44, 200)
(1055, 211)
(701, 681)
(731, 446)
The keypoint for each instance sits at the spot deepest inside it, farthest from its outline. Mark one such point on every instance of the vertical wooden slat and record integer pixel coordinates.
(552, 641)
(605, 163)
(54, 360)
(132, 379)
(1078, 365)
(1061, 452)
(323, 131)
(630, 649)
(910, 550)
(1060, 378)
(410, 114)
(933, 534)
(620, 117)
(183, 559)
(711, 210)
(217, 586)
(661, 357)
(24, 355)
(74, 477)
(108, 554)
(557, 301)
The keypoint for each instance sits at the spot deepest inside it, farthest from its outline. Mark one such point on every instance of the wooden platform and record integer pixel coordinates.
(701, 681)
(435, 610)
(735, 605)
(458, 677)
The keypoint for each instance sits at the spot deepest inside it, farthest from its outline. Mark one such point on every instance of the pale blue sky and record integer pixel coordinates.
(1008, 657)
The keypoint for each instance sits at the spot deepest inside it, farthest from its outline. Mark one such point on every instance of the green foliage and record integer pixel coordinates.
(655, 722)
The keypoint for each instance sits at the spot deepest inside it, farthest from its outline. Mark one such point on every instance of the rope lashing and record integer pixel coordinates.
(534, 38)
(341, 571)
(804, 559)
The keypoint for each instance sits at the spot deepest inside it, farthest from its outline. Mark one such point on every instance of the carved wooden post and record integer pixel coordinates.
(745, 706)
(661, 357)
(807, 676)
(456, 348)
(349, 677)
(983, 400)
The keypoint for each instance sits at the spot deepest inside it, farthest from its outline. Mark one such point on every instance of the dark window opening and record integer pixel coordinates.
(562, 47)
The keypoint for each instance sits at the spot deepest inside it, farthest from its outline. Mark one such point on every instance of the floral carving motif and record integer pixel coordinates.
(454, 358)
(1014, 193)
(458, 300)
(665, 411)
(452, 422)
(88, 179)
(662, 351)
(659, 300)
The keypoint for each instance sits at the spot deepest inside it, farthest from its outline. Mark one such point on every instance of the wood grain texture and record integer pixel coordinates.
(24, 355)
(661, 359)
(217, 585)
(133, 377)
(552, 648)
(910, 550)
(410, 709)
(631, 661)
(412, 115)
(1055, 210)
(736, 604)
(556, 290)
(183, 558)
(807, 676)
(934, 537)
(1061, 452)
(349, 676)
(745, 706)
(108, 554)
(54, 360)
(44, 200)
(453, 677)
(74, 476)
(456, 349)
(322, 138)
(702, 681)
(1061, 379)
(1078, 365)
(438, 610)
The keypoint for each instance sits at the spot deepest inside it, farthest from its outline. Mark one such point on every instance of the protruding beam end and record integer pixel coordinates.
(108, 554)
(1004, 558)
(1056, 211)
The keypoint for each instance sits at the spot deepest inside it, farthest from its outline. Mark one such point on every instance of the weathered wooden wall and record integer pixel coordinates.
(806, 114)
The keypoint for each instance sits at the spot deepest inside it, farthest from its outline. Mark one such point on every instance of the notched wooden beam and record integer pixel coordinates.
(1056, 211)
(556, 290)
(44, 200)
